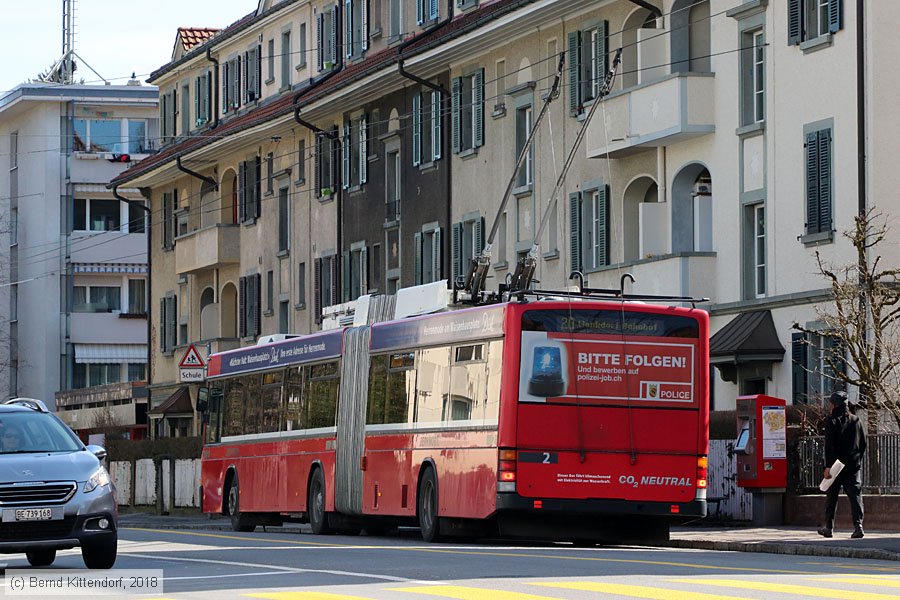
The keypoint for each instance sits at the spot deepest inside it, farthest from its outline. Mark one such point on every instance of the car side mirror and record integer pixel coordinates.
(98, 451)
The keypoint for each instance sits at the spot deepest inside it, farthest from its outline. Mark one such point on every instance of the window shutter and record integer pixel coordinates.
(171, 329)
(242, 191)
(478, 108)
(257, 164)
(320, 41)
(348, 27)
(257, 304)
(163, 343)
(456, 122)
(364, 270)
(602, 51)
(838, 353)
(198, 92)
(824, 152)
(363, 149)
(345, 162)
(335, 28)
(603, 225)
(162, 118)
(317, 176)
(574, 72)
(236, 84)
(225, 88)
(417, 128)
(167, 218)
(173, 113)
(335, 143)
(436, 120)
(479, 235)
(335, 278)
(242, 312)
(247, 83)
(258, 87)
(799, 373)
(347, 271)
(437, 255)
(457, 235)
(795, 22)
(173, 222)
(420, 11)
(575, 230)
(812, 183)
(835, 16)
(317, 293)
(417, 242)
(364, 28)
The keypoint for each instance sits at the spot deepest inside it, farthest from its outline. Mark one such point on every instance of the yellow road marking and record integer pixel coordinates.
(468, 593)
(634, 591)
(784, 588)
(237, 537)
(865, 580)
(305, 596)
(858, 567)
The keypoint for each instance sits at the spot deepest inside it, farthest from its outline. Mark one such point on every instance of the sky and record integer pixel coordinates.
(116, 38)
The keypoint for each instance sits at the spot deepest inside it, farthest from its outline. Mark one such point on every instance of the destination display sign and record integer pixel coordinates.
(279, 354)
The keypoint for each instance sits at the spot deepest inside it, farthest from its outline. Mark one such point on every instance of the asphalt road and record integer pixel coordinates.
(284, 566)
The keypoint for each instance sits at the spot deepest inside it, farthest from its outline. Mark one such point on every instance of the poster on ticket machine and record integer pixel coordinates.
(602, 357)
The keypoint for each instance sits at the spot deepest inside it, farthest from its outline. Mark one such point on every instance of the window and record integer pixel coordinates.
(525, 176)
(426, 127)
(428, 254)
(185, 109)
(270, 292)
(325, 283)
(270, 61)
(355, 155)
(589, 228)
(396, 19)
(392, 186)
(815, 359)
(587, 72)
(818, 182)
(13, 302)
(301, 38)
(283, 316)
(137, 296)
(137, 217)
(167, 319)
(202, 94)
(327, 27)
(753, 77)
(285, 59)
(13, 150)
(137, 372)
(356, 27)
(426, 11)
(356, 263)
(301, 285)
(96, 215)
(270, 173)
(500, 87)
(326, 154)
(759, 77)
(231, 84)
(169, 221)
(249, 180)
(167, 112)
(284, 220)
(119, 136)
(392, 387)
(375, 271)
(89, 375)
(810, 19)
(468, 241)
(249, 324)
(301, 161)
(253, 68)
(468, 111)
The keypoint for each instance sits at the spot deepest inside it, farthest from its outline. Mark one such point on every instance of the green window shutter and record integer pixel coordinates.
(364, 149)
(574, 56)
(173, 222)
(335, 278)
(242, 311)
(795, 22)
(437, 255)
(345, 276)
(345, 162)
(436, 120)
(456, 122)
(348, 27)
(171, 328)
(799, 373)
(835, 15)
(575, 230)
(198, 91)
(335, 28)
(825, 200)
(479, 235)
(163, 347)
(417, 128)
(417, 242)
(812, 183)
(317, 167)
(602, 51)
(420, 11)
(317, 290)
(478, 108)
(457, 235)
(257, 304)
(320, 41)
(364, 270)
(603, 225)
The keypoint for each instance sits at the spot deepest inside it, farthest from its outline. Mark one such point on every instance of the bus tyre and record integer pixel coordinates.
(318, 518)
(429, 522)
(239, 521)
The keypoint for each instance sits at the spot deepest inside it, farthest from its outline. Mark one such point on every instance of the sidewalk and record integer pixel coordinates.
(878, 545)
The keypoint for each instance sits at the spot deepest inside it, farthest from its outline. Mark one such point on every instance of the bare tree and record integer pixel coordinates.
(863, 318)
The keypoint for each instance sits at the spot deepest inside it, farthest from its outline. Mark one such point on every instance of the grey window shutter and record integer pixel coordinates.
(257, 304)
(334, 143)
(602, 51)
(317, 290)
(799, 373)
(335, 278)
(242, 312)
(456, 122)
(835, 15)
(478, 108)
(795, 22)
(173, 222)
(247, 83)
(345, 162)
(198, 87)
(479, 235)
(242, 191)
(171, 329)
(420, 11)
(812, 183)
(163, 343)
(173, 114)
(317, 175)
(364, 28)
(225, 87)
(437, 119)
(256, 182)
(236, 83)
(258, 89)
(363, 149)
(364, 270)
(348, 27)
(575, 230)
(320, 41)
(825, 201)
(437, 255)
(417, 128)
(457, 235)
(574, 56)
(163, 134)
(603, 225)
(166, 218)
(417, 242)
(345, 267)
(335, 30)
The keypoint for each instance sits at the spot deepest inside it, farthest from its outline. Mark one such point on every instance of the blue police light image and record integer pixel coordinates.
(546, 372)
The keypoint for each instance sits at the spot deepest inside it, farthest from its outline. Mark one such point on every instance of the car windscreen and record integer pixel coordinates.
(22, 432)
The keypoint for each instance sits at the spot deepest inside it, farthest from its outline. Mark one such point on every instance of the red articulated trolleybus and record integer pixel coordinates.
(575, 418)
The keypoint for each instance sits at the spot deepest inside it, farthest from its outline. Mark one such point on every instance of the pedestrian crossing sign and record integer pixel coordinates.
(191, 359)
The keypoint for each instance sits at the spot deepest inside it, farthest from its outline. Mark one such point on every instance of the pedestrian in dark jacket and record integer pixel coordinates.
(845, 440)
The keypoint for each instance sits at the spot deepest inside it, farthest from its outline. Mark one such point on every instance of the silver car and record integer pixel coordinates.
(54, 491)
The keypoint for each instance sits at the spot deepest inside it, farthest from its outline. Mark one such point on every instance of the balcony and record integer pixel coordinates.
(106, 328)
(208, 248)
(683, 274)
(666, 111)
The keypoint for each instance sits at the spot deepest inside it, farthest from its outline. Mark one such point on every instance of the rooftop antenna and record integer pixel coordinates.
(63, 70)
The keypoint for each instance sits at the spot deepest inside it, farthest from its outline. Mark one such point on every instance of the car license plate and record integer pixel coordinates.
(34, 514)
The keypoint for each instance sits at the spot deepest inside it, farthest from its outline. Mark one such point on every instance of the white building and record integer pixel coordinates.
(73, 264)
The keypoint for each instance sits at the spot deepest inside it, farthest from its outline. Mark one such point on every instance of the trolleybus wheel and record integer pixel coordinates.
(239, 521)
(429, 522)
(318, 518)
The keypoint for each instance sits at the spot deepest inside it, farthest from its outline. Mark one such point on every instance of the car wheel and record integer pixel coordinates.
(41, 558)
(100, 554)
(239, 521)
(315, 505)
(429, 522)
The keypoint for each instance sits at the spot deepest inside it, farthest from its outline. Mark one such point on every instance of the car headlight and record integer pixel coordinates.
(100, 477)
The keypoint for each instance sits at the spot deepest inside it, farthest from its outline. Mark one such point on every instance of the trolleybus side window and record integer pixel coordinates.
(494, 375)
(252, 404)
(233, 414)
(468, 384)
(392, 382)
(322, 392)
(214, 414)
(296, 408)
(432, 385)
(270, 407)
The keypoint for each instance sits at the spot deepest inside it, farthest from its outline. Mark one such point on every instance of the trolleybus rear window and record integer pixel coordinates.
(610, 322)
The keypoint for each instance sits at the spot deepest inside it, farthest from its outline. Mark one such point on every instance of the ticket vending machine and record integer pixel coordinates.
(761, 449)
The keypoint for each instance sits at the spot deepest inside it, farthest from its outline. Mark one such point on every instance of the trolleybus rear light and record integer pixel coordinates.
(507, 476)
(702, 471)
(506, 465)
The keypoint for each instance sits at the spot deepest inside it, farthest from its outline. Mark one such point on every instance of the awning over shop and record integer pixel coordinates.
(110, 353)
(749, 337)
(177, 403)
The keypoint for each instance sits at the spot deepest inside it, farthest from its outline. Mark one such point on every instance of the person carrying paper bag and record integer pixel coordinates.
(845, 444)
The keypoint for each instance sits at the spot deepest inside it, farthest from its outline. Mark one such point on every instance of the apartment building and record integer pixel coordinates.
(74, 258)
(314, 151)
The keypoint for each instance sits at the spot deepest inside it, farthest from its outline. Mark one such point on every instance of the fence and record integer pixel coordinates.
(729, 500)
(884, 447)
(137, 482)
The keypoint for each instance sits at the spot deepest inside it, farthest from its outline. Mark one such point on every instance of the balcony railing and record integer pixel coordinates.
(682, 274)
(207, 248)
